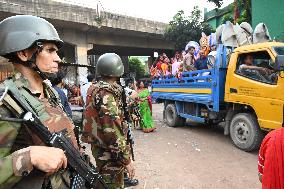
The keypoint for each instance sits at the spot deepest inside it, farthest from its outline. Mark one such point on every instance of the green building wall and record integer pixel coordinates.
(213, 22)
(270, 12)
(215, 17)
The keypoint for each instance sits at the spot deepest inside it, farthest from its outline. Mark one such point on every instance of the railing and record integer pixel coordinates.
(187, 78)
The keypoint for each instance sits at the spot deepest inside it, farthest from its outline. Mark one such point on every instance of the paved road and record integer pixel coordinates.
(191, 157)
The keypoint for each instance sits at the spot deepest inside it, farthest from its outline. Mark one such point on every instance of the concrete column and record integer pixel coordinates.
(125, 63)
(82, 58)
(78, 39)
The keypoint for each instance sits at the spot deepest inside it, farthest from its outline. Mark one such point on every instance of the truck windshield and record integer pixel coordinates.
(279, 50)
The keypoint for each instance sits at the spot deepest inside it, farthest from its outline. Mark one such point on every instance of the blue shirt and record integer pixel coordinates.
(64, 101)
(201, 63)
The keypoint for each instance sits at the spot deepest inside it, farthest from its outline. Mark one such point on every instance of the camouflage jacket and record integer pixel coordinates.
(16, 169)
(104, 125)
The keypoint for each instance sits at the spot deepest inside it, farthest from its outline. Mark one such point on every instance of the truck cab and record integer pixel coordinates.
(255, 97)
(247, 101)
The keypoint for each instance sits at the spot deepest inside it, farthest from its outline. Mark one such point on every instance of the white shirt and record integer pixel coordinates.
(84, 90)
(128, 91)
(175, 67)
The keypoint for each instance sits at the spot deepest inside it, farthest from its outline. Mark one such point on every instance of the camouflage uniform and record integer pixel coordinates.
(105, 128)
(16, 170)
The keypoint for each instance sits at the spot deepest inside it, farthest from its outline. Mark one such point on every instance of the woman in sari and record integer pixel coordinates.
(144, 101)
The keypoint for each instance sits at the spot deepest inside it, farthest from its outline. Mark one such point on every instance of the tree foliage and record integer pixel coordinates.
(227, 17)
(245, 15)
(243, 6)
(183, 29)
(218, 3)
(136, 66)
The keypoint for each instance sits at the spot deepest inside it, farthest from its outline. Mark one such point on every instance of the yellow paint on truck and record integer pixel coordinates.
(267, 100)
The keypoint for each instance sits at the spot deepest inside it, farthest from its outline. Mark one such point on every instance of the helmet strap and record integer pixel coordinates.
(32, 63)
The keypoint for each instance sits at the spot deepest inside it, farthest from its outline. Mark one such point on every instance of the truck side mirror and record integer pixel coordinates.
(279, 63)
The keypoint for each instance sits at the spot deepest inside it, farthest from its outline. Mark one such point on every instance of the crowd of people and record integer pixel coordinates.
(195, 57)
(138, 99)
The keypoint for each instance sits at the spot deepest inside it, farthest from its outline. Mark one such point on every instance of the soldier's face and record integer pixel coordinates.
(47, 60)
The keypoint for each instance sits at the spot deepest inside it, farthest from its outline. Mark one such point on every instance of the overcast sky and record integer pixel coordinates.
(158, 10)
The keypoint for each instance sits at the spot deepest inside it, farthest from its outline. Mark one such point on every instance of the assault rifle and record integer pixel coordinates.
(83, 175)
(130, 139)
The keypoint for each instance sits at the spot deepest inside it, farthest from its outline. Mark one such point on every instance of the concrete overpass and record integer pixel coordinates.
(88, 33)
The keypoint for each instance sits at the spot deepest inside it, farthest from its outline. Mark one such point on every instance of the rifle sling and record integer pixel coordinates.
(32, 103)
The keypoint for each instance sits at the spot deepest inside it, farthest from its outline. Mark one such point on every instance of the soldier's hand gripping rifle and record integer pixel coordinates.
(130, 139)
(83, 175)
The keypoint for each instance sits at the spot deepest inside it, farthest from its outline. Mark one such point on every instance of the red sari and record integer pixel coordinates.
(271, 160)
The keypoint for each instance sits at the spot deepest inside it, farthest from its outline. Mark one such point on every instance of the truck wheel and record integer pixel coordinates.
(245, 132)
(172, 118)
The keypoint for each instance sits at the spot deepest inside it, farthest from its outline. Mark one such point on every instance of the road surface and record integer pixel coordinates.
(191, 157)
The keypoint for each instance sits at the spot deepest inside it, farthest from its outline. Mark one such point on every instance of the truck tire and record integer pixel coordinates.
(172, 117)
(245, 132)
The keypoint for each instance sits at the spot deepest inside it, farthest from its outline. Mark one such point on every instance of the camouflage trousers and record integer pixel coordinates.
(112, 172)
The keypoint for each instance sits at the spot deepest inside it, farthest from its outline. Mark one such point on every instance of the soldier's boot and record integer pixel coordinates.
(130, 182)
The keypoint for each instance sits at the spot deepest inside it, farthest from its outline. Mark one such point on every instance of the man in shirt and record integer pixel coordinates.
(85, 87)
(188, 61)
(201, 62)
(248, 65)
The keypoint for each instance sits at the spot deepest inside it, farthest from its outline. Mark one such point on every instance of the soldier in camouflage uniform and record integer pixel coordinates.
(31, 44)
(104, 125)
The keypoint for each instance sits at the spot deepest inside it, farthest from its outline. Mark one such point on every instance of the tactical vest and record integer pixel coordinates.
(37, 179)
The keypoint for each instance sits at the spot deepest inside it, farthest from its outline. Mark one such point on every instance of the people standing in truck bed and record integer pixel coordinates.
(188, 61)
(201, 62)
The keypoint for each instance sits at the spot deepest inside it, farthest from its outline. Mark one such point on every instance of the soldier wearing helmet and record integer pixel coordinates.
(104, 125)
(30, 43)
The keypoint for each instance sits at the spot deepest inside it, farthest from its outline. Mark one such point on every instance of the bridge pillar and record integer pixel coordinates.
(82, 58)
(125, 63)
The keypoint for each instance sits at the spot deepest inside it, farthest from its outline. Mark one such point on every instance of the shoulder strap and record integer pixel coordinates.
(15, 91)
(52, 94)
(32, 103)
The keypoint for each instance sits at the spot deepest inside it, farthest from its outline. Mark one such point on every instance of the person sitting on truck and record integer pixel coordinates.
(176, 64)
(211, 59)
(248, 65)
(159, 64)
(188, 61)
(165, 66)
(201, 62)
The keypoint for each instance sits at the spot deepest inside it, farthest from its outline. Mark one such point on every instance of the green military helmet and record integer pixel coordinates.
(22, 31)
(110, 64)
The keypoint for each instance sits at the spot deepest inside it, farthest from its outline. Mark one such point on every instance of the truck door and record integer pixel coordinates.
(256, 85)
